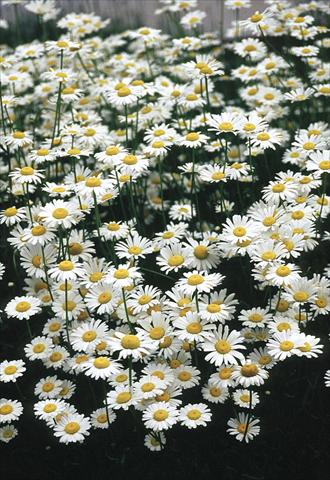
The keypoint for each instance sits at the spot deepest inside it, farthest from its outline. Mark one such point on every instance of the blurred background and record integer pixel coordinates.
(133, 13)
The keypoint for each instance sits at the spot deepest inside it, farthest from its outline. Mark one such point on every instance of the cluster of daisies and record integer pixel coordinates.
(142, 173)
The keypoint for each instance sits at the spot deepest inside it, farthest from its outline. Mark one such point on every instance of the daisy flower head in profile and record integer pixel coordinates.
(66, 270)
(204, 66)
(227, 122)
(193, 140)
(199, 281)
(193, 19)
(26, 175)
(100, 367)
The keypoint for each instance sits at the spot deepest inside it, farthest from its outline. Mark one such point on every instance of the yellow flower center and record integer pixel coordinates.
(239, 231)
(124, 92)
(101, 362)
(38, 348)
(104, 297)
(286, 346)
(194, 414)
(134, 250)
(27, 171)
(184, 376)
(69, 305)
(49, 408)
(123, 397)
(10, 212)
(89, 336)
(309, 146)
(263, 136)
(268, 255)
(324, 165)
(201, 252)
(225, 373)
(89, 132)
(241, 428)
(121, 274)
(73, 151)
(66, 266)
(130, 342)
(6, 409)
(255, 317)
(130, 160)
(93, 182)
(102, 418)
(160, 415)
(283, 271)
(195, 280)
(113, 150)
(215, 392)
(175, 260)
(283, 326)
(256, 17)
(297, 215)
(213, 308)
(18, 135)
(71, 428)
(222, 346)
(167, 342)
(23, 306)
(192, 137)
(249, 370)
(194, 327)
(55, 357)
(36, 261)
(156, 333)
(60, 213)
(10, 370)
(48, 387)
(301, 296)
(321, 302)
(148, 387)
(218, 176)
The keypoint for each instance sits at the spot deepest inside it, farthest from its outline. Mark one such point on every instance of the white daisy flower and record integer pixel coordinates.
(194, 415)
(10, 410)
(10, 371)
(72, 428)
(160, 416)
(23, 307)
